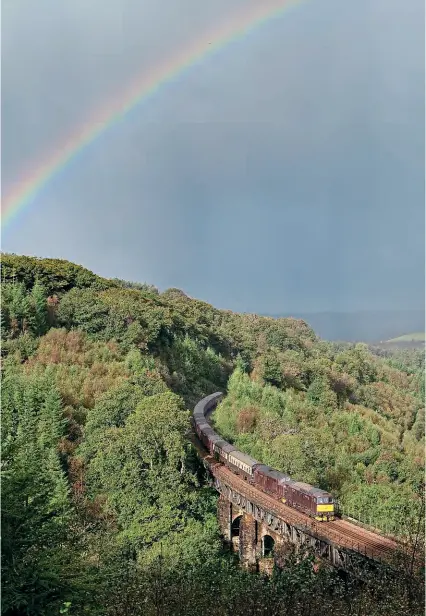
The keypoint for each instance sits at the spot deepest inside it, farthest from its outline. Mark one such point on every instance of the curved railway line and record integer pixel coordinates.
(339, 532)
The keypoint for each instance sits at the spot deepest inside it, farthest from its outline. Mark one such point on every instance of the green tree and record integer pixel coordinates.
(40, 566)
(51, 423)
(39, 320)
(144, 472)
(320, 393)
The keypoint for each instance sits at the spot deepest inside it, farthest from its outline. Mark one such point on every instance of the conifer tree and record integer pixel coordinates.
(19, 308)
(51, 423)
(58, 496)
(26, 407)
(36, 509)
(11, 395)
(39, 309)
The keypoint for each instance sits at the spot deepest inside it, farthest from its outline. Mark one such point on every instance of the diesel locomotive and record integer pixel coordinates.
(297, 494)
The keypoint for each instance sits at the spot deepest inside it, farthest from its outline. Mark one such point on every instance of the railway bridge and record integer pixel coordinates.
(261, 528)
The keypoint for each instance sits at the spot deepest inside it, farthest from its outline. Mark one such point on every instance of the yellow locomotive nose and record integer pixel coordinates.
(323, 508)
(325, 511)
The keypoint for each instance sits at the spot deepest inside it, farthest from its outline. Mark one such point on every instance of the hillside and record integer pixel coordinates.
(416, 337)
(347, 422)
(105, 508)
(407, 341)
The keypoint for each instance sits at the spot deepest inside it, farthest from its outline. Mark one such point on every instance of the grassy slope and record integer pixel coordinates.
(416, 337)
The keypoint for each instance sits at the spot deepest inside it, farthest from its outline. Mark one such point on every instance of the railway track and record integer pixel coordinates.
(356, 533)
(340, 532)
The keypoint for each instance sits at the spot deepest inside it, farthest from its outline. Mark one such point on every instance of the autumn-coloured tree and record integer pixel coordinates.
(104, 505)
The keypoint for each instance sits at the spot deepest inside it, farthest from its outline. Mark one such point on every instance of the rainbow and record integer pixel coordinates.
(145, 86)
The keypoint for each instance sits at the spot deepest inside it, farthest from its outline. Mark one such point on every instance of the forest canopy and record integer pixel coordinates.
(105, 507)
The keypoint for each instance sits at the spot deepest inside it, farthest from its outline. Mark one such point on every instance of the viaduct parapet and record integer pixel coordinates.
(260, 528)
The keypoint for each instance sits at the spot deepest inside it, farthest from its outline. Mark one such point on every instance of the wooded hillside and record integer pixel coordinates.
(105, 509)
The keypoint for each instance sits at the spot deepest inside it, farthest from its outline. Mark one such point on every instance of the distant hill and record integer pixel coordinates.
(407, 341)
(368, 326)
(416, 337)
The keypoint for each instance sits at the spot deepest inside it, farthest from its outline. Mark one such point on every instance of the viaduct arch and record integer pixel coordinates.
(262, 530)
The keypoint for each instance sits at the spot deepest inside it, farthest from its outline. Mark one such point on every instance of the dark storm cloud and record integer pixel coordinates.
(284, 173)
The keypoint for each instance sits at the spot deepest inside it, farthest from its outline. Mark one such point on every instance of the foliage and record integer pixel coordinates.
(41, 565)
(56, 275)
(355, 428)
(23, 312)
(105, 508)
(125, 284)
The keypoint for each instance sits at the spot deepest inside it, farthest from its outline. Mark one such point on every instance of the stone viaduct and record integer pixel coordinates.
(262, 530)
(255, 543)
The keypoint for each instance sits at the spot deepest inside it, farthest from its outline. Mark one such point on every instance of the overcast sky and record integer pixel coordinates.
(285, 173)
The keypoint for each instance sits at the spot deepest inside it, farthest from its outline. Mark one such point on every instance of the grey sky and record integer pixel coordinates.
(285, 173)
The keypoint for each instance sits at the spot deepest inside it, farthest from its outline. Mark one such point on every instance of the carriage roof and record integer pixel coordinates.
(305, 487)
(244, 458)
(204, 404)
(273, 473)
(225, 446)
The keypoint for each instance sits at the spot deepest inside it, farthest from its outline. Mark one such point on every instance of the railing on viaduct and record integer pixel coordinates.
(253, 522)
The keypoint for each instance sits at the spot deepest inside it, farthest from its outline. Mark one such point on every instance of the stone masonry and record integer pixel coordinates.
(246, 536)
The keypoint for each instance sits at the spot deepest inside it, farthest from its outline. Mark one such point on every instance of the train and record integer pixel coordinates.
(312, 501)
